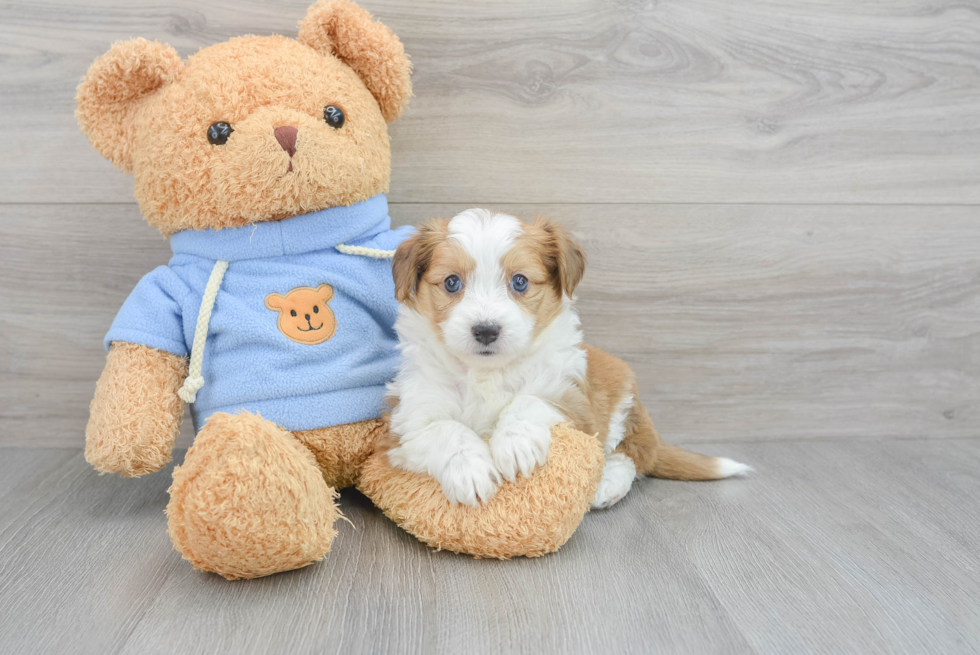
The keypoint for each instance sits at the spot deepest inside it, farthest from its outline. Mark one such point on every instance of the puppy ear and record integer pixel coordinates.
(342, 29)
(404, 268)
(274, 301)
(325, 291)
(114, 87)
(414, 255)
(566, 258)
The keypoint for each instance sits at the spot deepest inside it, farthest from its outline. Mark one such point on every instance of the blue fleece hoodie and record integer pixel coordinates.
(248, 362)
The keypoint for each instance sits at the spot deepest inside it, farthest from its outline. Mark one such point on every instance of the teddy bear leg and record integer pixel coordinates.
(249, 500)
(341, 450)
(529, 517)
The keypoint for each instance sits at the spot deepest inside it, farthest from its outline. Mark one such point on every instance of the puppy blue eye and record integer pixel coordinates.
(453, 284)
(518, 283)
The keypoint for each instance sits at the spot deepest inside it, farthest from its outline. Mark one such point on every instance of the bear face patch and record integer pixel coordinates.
(304, 316)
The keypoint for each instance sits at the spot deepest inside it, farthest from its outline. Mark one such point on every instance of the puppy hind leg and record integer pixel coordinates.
(618, 423)
(619, 471)
(617, 478)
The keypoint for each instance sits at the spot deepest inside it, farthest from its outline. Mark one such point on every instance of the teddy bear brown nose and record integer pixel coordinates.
(286, 136)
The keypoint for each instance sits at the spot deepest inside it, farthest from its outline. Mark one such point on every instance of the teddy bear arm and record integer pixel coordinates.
(136, 413)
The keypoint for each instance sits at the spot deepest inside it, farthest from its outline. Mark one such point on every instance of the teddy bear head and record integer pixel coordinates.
(253, 129)
(304, 315)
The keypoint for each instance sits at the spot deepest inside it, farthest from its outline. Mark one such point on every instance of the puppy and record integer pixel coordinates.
(493, 359)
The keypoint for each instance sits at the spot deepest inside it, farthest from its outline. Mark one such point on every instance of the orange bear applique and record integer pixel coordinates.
(304, 315)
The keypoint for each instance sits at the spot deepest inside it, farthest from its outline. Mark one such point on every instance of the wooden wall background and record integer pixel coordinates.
(780, 200)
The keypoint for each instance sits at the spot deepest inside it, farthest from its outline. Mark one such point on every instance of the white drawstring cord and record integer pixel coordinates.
(375, 253)
(194, 381)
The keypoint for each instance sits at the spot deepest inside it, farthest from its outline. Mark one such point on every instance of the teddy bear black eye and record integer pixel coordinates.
(316, 310)
(292, 312)
(518, 283)
(453, 284)
(334, 116)
(219, 132)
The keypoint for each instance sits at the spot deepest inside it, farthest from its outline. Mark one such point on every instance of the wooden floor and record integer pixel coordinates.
(831, 547)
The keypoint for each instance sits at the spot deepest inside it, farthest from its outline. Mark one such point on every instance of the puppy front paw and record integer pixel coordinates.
(469, 478)
(519, 447)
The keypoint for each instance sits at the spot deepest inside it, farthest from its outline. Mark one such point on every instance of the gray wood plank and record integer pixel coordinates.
(842, 547)
(742, 322)
(25, 464)
(832, 546)
(370, 595)
(83, 556)
(577, 100)
(609, 590)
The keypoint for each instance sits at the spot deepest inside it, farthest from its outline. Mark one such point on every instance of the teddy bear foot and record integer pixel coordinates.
(529, 517)
(249, 500)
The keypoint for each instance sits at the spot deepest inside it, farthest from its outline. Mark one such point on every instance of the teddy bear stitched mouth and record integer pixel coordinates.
(283, 176)
(311, 327)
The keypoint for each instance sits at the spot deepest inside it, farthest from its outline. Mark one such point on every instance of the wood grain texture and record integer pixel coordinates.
(862, 546)
(742, 322)
(577, 100)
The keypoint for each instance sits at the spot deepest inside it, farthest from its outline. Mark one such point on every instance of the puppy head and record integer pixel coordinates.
(488, 283)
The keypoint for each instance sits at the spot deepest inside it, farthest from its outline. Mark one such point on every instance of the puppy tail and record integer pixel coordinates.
(675, 463)
(662, 460)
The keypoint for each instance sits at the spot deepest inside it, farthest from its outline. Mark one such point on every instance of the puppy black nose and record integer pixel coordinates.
(307, 317)
(486, 333)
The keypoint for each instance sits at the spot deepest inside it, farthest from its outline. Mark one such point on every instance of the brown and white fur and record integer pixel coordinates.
(489, 366)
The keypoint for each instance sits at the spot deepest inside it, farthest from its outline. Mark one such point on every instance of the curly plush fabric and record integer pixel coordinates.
(135, 415)
(149, 113)
(115, 85)
(530, 517)
(249, 500)
(341, 451)
(370, 48)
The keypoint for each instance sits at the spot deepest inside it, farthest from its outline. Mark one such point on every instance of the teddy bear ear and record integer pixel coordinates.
(325, 291)
(112, 89)
(274, 301)
(348, 32)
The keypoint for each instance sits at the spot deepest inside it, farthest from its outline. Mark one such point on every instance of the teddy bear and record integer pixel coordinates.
(265, 161)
